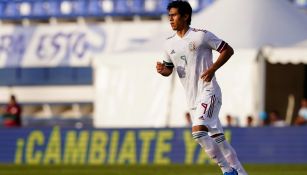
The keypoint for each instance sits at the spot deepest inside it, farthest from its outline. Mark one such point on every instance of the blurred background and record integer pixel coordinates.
(80, 75)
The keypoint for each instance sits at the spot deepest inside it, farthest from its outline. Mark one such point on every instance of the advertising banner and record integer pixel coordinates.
(145, 146)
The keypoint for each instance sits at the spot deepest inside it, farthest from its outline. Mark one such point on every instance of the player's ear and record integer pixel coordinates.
(186, 17)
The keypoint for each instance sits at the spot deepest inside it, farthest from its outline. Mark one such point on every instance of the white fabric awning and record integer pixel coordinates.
(285, 55)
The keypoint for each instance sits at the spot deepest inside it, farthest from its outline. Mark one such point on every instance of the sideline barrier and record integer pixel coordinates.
(145, 146)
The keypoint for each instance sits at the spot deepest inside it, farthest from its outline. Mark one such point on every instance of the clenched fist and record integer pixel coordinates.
(163, 70)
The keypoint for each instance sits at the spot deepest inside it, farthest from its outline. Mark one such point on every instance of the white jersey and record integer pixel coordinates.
(191, 55)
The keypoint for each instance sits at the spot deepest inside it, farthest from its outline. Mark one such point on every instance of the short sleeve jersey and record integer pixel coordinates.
(191, 55)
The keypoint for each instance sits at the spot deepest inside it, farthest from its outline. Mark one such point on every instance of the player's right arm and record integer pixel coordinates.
(164, 69)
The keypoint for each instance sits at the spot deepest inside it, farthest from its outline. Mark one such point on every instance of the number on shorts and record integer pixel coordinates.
(205, 107)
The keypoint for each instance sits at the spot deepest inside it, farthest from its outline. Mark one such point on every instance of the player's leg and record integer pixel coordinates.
(217, 133)
(229, 153)
(209, 145)
(200, 116)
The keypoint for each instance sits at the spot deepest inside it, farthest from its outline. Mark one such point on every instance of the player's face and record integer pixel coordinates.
(177, 21)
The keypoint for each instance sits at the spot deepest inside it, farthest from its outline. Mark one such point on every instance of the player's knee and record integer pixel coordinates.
(219, 138)
(200, 137)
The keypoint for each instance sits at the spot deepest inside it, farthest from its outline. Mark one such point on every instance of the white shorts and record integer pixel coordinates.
(207, 113)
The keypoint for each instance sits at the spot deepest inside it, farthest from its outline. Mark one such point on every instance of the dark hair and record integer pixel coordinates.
(13, 97)
(184, 8)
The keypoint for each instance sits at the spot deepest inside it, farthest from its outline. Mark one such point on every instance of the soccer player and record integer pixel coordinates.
(189, 52)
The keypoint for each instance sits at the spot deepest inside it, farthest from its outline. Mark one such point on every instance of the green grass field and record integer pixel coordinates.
(283, 169)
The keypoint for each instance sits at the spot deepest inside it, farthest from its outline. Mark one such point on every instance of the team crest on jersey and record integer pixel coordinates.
(192, 46)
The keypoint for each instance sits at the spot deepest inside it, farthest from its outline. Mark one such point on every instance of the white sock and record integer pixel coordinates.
(212, 150)
(230, 154)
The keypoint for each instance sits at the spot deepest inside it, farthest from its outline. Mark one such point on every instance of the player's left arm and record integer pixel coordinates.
(224, 56)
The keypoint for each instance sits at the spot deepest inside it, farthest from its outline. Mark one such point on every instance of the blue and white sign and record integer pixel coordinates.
(45, 46)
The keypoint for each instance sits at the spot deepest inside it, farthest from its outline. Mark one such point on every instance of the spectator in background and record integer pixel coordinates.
(188, 119)
(302, 114)
(276, 120)
(264, 119)
(12, 115)
(229, 120)
(249, 121)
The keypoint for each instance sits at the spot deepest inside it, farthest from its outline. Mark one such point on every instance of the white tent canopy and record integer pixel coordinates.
(254, 23)
(296, 54)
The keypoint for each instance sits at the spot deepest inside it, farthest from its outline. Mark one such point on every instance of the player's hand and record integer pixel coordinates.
(160, 67)
(208, 75)
(163, 70)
